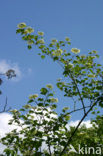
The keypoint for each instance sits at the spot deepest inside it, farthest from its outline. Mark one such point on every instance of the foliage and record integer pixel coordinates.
(84, 75)
(82, 81)
(39, 127)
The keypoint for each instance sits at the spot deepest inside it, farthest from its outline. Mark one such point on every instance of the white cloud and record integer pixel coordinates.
(75, 123)
(5, 66)
(5, 128)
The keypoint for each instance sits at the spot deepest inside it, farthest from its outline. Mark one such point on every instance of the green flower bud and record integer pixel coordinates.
(30, 42)
(54, 100)
(59, 79)
(40, 33)
(67, 39)
(34, 96)
(54, 40)
(27, 106)
(49, 86)
(14, 111)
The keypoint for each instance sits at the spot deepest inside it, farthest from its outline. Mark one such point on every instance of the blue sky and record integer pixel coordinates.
(81, 21)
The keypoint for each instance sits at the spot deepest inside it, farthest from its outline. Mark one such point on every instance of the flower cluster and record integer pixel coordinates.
(57, 52)
(34, 96)
(49, 86)
(67, 39)
(53, 100)
(54, 40)
(30, 42)
(75, 50)
(21, 25)
(41, 41)
(29, 30)
(40, 33)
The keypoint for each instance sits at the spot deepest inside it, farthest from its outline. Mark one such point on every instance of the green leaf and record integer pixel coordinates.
(51, 94)
(40, 104)
(65, 109)
(55, 58)
(7, 151)
(29, 47)
(42, 56)
(30, 101)
(93, 112)
(44, 91)
(40, 99)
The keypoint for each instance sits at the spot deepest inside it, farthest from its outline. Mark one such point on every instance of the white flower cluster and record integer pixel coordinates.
(49, 86)
(53, 100)
(57, 52)
(34, 96)
(75, 50)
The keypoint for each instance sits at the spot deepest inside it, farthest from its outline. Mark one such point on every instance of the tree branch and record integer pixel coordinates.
(5, 106)
(72, 135)
(78, 92)
(78, 109)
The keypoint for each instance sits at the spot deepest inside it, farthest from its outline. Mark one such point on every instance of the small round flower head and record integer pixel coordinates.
(41, 41)
(75, 50)
(54, 40)
(29, 30)
(54, 100)
(40, 33)
(57, 52)
(67, 39)
(27, 106)
(26, 32)
(49, 86)
(30, 42)
(14, 111)
(21, 25)
(59, 79)
(34, 96)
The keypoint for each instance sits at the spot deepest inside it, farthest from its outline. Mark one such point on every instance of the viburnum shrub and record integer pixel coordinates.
(41, 131)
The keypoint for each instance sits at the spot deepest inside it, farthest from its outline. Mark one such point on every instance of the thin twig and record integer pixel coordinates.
(78, 92)
(5, 106)
(76, 87)
(78, 109)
